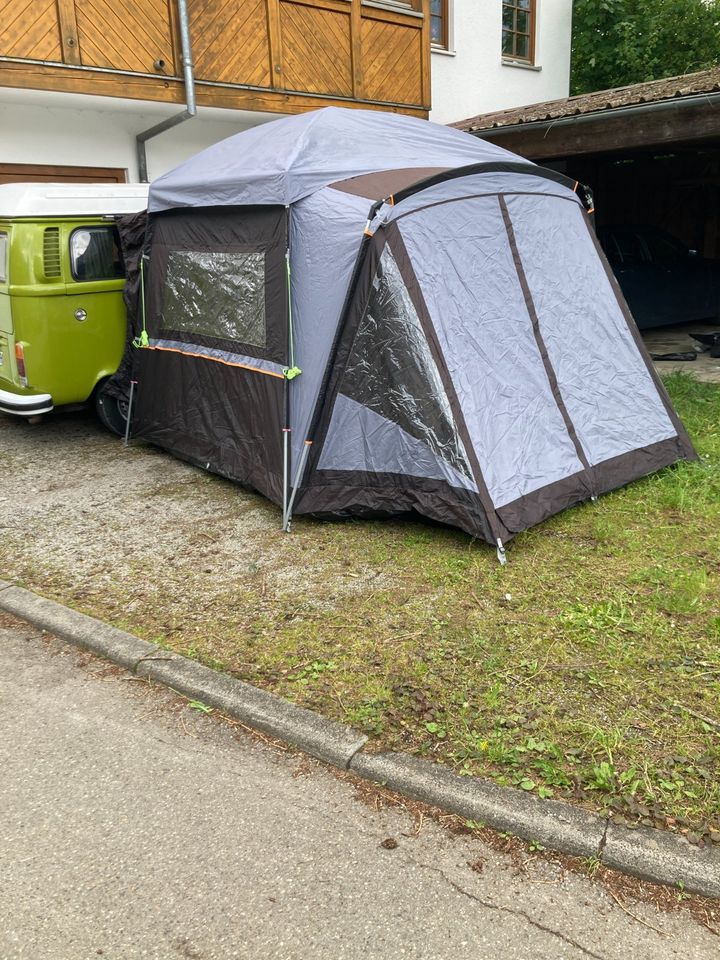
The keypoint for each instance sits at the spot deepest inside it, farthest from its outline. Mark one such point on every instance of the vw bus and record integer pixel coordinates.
(62, 314)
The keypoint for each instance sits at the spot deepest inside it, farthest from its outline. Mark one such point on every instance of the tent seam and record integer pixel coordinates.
(397, 245)
(541, 346)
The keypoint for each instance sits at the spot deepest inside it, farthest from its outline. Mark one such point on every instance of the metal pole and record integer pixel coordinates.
(296, 484)
(286, 434)
(129, 413)
(190, 109)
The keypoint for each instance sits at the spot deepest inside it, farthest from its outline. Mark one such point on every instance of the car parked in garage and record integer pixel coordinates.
(662, 280)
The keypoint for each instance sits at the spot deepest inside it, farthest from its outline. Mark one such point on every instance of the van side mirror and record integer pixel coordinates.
(692, 253)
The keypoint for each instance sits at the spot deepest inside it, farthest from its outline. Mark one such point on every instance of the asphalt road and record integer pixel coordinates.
(132, 826)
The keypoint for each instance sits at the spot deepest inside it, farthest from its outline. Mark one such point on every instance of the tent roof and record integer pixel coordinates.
(285, 160)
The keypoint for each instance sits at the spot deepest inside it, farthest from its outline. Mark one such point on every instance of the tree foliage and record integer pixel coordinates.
(619, 42)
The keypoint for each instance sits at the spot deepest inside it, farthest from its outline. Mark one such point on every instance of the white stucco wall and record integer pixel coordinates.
(68, 129)
(473, 79)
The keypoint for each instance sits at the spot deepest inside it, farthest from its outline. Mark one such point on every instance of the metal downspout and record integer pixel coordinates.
(190, 110)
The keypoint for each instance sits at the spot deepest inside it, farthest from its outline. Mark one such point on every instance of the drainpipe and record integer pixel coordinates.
(190, 110)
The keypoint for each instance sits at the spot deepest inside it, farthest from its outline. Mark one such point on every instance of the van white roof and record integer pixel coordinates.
(71, 199)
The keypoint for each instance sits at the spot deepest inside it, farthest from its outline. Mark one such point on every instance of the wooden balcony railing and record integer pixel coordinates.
(272, 55)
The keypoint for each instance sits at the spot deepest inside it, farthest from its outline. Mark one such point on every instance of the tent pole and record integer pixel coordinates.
(129, 413)
(296, 484)
(289, 374)
(286, 433)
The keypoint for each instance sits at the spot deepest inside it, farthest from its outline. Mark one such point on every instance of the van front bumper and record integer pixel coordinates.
(25, 405)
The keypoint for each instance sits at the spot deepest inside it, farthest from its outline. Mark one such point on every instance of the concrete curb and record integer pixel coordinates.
(333, 742)
(116, 645)
(663, 858)
(556, 825)
(648, 854)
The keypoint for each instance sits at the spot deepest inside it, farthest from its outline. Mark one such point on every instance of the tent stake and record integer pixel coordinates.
(501, 553)
(296, 484)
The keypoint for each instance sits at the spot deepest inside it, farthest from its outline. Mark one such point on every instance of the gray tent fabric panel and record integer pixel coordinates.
(465, 270)
(326, 230)
(610, 396)
(475, 184)
(283, 161)
(360, 439)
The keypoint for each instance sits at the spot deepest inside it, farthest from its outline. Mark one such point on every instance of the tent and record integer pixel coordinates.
(359, 313)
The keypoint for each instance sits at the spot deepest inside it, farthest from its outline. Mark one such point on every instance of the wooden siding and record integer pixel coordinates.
(30, 28)
(124, 34)
(230, 45)
(280, 56)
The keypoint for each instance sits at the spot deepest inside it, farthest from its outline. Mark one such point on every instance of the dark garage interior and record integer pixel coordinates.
(676, 189)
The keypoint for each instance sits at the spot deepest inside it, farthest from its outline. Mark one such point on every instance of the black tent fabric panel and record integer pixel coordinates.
(351, 493)
(217, 277)
(210, 385)
(226, 419)
(133, 230)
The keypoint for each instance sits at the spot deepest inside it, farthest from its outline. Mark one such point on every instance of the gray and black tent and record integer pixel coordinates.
(358, 313)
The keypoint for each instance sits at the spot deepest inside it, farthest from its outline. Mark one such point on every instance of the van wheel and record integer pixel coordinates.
(111, 412)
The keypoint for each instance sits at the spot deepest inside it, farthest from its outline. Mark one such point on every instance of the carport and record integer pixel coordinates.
(650, 152)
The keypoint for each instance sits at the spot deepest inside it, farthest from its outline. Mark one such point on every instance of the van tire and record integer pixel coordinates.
(111, 412)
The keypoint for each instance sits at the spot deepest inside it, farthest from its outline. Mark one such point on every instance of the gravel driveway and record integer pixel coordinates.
(130, 529)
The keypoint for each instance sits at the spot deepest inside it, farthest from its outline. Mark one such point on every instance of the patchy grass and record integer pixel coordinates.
(586, 669)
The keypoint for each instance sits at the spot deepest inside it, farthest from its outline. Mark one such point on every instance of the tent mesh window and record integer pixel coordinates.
(217, 295)
(391, 370)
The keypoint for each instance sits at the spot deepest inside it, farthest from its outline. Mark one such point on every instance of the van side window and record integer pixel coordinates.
(3, 257)
(95, 254)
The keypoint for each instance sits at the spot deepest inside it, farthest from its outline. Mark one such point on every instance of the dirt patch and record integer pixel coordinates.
(93, 515)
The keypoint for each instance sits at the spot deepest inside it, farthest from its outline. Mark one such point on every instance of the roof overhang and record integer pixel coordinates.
(660, 113)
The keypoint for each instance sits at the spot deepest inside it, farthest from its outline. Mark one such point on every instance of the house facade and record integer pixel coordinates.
(80, 80)
(489, 55)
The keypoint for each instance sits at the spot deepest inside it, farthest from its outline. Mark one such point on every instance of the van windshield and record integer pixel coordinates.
(95, 254)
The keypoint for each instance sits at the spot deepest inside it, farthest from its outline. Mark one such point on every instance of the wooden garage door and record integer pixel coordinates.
(41, 173)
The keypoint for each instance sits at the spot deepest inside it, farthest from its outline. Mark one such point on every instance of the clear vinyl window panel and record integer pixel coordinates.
(392, 371)
(216, 294)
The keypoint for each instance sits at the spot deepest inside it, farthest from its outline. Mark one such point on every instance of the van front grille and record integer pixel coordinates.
(51, 252)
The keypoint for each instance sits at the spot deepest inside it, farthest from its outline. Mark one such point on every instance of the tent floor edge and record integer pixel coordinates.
(340, 494)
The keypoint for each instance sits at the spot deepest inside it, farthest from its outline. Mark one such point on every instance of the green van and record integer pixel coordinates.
(62, 315)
